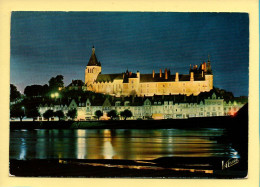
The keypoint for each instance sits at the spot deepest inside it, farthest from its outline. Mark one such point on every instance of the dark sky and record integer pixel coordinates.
(46, 44)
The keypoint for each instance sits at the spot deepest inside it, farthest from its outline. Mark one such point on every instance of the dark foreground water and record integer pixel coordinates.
(119, 144)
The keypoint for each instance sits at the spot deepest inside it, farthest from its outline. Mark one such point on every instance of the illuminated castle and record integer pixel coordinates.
(199, 79)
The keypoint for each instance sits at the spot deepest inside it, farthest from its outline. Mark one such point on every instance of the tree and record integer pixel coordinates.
(33, 113)
(48, 114)
(126, 114)
(112, 114)
(56, 82)
(98, 113)
(17, 111)
(14, 93)
(59, 114)
(36, 90)
(72, 113)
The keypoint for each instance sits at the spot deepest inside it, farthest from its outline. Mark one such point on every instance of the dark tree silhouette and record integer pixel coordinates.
(36, 90)
(112, 114)
(59, 114)
(14, 93)
(56, 82)
(126, 114)
(17, 111)
(48, 114)
(72, 113)
(33, 113)
(98, 113)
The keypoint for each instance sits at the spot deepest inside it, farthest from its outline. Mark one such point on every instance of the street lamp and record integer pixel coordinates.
(23, 110)
(55, 95)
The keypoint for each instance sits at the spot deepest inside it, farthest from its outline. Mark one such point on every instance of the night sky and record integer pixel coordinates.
(46, 44)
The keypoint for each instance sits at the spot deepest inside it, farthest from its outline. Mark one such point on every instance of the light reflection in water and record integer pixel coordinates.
(118, 144)
(81, 144)
(22, 155)
(108, 151)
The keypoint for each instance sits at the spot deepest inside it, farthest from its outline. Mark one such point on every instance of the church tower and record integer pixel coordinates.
(92, 70)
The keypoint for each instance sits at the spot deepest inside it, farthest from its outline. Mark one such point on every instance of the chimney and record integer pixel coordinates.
(160, 73)
(177, 77)
(153, 73)
(202, 73)
(166, 73)
(138, 74)
(191, 76)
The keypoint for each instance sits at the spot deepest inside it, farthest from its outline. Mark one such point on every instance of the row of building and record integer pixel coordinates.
(154, 107)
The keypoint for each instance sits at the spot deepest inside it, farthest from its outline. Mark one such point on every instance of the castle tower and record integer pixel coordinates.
(209, 70)
(191, 76)
(209, 74)
(92, 69)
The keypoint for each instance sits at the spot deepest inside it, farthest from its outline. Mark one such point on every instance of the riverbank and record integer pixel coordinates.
(203, 122)
(158, 168)
(240, 120)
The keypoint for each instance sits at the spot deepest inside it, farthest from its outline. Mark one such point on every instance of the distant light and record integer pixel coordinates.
(56, 94)
(52, 95)
(232, 112)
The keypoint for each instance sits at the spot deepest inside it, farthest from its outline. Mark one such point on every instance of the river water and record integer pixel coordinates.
(118, 144)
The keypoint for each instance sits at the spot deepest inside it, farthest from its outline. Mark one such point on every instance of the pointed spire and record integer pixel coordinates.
(209, 70)
(93, 59)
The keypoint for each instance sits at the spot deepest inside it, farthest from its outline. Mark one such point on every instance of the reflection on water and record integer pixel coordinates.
(117, 144)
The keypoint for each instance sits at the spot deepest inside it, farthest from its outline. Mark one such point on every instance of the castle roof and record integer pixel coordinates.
(108, 77)
(157, 78)
(147, 77)
(93, 59)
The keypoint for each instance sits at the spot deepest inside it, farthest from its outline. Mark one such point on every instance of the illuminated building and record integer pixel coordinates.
(156, 107)
(199, 79)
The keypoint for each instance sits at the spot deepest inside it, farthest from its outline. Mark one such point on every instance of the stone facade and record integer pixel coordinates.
(163, 83)
(156, 107)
